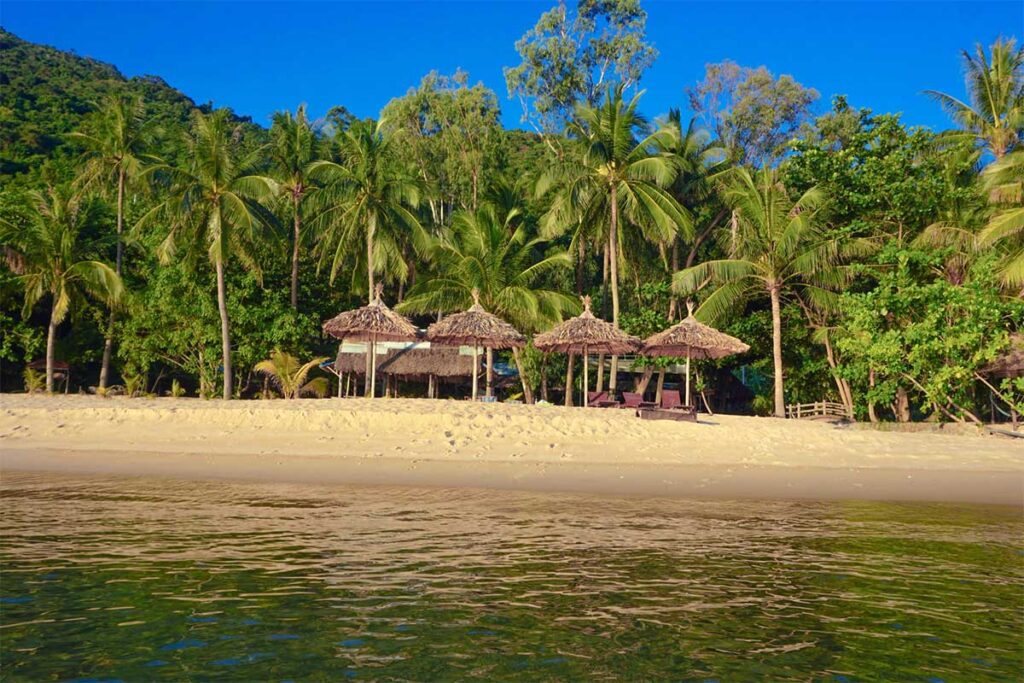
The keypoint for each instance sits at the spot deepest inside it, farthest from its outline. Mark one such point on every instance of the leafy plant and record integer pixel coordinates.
(35, 381)
(289, 377)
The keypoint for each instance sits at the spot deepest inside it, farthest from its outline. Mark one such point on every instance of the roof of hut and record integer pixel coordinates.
(1011, 362)
(440, 362)
(374, 321)
(694, 339)
(475, 327)
(596, 335)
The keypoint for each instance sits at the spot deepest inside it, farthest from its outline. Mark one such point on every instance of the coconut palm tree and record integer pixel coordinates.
(292, 150)
(1004, 181)
(490, 250)
(775, 246)
(995, 88)
(284, 372)
(116, 137)
(52, 258)
(214, 204)
(614, 176)
(373, 204)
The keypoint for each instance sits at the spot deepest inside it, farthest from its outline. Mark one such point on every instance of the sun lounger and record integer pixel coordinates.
(672, 400)
(631, 400)
(600, 399)
(679, 414)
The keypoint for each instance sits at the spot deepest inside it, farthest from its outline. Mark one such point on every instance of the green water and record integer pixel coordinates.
(135, 580)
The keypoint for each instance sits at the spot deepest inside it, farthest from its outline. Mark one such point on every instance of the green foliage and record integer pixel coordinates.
(570, 58)
(928, 337)
(284, 371)
(35, 381)
(752, 112)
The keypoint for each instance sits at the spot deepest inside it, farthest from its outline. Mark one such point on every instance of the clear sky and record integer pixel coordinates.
(259, 57)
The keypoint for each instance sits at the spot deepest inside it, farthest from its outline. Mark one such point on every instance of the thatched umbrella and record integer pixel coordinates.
(476, 327)
(692, 339)
(372, 323)
(586, 334)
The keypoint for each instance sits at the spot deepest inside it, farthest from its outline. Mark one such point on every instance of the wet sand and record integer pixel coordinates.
(412, 442)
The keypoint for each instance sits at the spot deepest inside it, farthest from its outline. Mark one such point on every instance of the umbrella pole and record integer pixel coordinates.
(688, 380)
(586, 380)
(474, 371)
(373, 367)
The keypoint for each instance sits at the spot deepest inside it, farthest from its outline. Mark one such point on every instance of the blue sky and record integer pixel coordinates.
(259, 57)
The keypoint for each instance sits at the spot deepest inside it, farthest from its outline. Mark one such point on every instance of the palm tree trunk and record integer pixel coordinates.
(297, 226)
(568, 382)
(225, 331)
(51, 340)
(613, 275)
(780, 398)
(527, 389)
(108, 343)
(369, 258)
(581, 255)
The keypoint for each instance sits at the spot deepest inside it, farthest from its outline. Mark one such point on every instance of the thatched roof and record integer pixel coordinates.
(440, 362)
(373, 322)
(586, 332)
(693, 339)
(1011, 362)
(475, 327)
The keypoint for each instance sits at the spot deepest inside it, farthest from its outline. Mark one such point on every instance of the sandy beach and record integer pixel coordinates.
(459, 444)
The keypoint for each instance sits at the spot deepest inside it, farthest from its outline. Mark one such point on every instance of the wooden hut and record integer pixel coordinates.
(414, 363)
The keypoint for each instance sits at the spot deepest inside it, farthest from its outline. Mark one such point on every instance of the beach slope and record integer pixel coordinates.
(460, 444)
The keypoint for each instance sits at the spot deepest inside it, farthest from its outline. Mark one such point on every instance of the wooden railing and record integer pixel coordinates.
(819, 410)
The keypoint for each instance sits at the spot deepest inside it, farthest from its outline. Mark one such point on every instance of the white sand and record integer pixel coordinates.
(449, 443)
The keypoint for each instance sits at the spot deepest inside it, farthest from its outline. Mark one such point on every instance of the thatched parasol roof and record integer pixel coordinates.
(373, 322)
(1011, 362)
(440, 362)
(693, 339)
(475, 327)
(586, 331)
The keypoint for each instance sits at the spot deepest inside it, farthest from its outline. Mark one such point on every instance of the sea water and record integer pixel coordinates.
(121, 579)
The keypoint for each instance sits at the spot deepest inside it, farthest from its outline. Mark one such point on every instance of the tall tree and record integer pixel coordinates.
(118, 140)
(613, 175)
(215, 204)
(752, 112)
(570, 58)
(292, 151)
(53, 259)
(994, 115)
(492, 251)
(1004, 181)
(448, 128)
(775, 246)
(374, 202)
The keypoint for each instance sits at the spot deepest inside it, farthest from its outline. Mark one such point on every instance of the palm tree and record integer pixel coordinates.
(373, 203)
(1004, 181)
(491, 250)
(775, 246)
(995, 88)
(51, 258)
(285, 372)
(615, 174)
(292, 151)
(116, 137)
(699, 158)
(214, 204)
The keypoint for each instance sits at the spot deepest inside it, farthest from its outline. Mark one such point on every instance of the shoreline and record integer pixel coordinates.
(448, 444)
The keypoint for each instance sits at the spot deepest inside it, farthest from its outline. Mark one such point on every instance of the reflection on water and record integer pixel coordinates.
(131, 579)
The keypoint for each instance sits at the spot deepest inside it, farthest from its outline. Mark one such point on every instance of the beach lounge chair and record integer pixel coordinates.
(631, 400)
(672, 400)
(600, 399)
